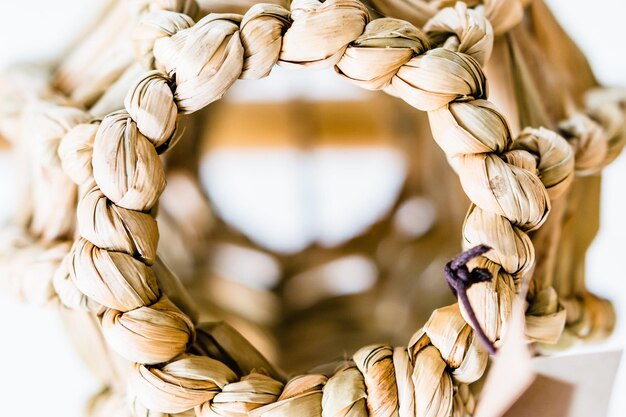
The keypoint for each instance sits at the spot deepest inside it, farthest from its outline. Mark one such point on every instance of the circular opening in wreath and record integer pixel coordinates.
(333, 215)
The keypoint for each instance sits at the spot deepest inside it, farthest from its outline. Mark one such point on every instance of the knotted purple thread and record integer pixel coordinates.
(460, 279)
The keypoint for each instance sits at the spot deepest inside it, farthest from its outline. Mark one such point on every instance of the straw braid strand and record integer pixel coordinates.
(111, 261)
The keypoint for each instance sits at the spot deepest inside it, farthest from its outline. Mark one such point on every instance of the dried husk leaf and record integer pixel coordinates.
(504, 189)
(473, 32)
(149, 334)
(376, 364)
(53, 193)
(155, 25)
(545, 317)
(113, 279)
(45, 127)
(606, 106)
(521, 158)
(53, 201)
(320, 33)
(67, 291)
(612, 119)
(589, 142)
(434, 79)
(374, 57)
(590, 318)
(150, 102)
(511, 247)
(27, 272)
(115, 228)
(473, 366)
(556, 159)
(239, 398)
(76, 151)
(492, 301)
(470, 127)
(126, 165)
(406, 392)
(433, 385)
(206, 60)
(451, 335)
(344, 394)
(302, 396)
(262, 38)
(180, 385)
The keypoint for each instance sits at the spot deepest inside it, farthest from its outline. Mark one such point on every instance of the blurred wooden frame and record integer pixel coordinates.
(311, 124)
(4, 144)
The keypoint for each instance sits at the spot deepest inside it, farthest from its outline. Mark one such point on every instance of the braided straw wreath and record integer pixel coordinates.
(179, 365)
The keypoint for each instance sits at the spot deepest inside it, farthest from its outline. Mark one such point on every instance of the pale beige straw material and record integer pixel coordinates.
(207, 58)
(178, 365)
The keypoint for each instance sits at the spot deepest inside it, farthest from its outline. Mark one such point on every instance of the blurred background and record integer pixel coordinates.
(42, 375)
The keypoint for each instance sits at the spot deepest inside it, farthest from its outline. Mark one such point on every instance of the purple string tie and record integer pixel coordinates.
(460, 279)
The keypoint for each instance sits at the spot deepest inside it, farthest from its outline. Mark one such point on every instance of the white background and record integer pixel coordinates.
(41, 374)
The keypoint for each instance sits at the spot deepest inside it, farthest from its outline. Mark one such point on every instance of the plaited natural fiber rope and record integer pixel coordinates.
(50, 204)
(48, 209)
(119, 235)
(590, 316)
(206, 59)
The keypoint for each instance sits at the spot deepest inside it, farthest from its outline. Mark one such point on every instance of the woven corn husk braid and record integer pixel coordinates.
(597, 136)
(43, 114)
(44, 228)
(110, 263)
(223, 403)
